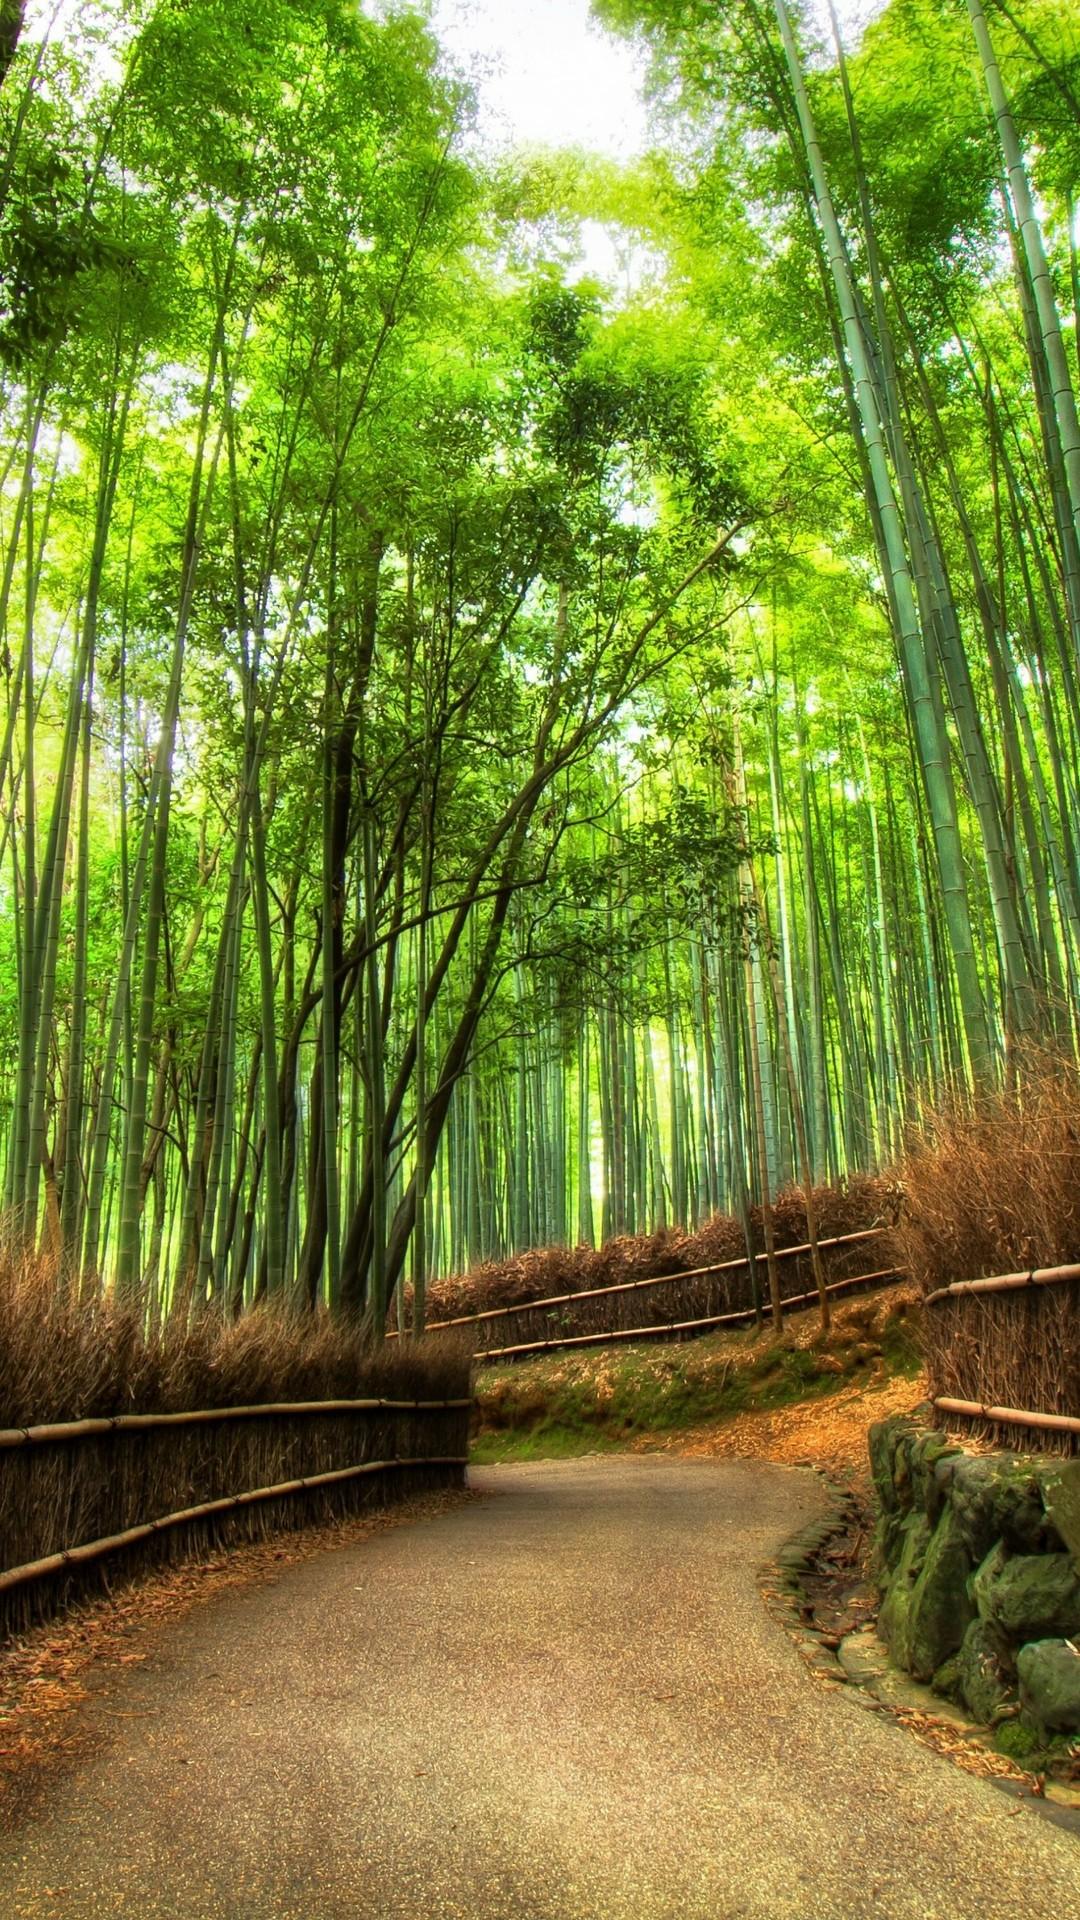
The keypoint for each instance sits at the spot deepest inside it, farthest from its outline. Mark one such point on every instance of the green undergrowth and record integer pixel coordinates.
(562, 1405)
(548, 1441)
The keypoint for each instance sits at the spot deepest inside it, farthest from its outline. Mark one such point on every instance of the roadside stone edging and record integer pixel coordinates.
(861, 1662)
(977, 1556)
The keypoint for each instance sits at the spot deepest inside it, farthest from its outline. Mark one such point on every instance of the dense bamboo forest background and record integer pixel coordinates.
(489, 755)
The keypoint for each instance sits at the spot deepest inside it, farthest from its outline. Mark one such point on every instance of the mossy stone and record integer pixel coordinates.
(984, 1683)
(1020, 1513)
(943, 1471)
(1049, 1673)
(894, 1620)
(883, 1439)
(970, 1496)
(986, 1573)
(999, 1497)
(928, 1489)
(1061, 1493)
(877, 1441)
(1028, 1596)
(886, 1546)
(903, 1476)
(940, 1607)
(946, 1680)
(1017, 1741)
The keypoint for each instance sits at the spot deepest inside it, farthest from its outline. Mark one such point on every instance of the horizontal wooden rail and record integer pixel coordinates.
(741, 1318)
(203, 1416)
(1008, 1416)
(97, 1549)
(652, 1280)
(1006, 1283)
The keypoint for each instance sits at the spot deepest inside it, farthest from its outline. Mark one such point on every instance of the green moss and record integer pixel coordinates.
(899, 1347)
(1017, 1741)
(947, 1678)
(548, 1442)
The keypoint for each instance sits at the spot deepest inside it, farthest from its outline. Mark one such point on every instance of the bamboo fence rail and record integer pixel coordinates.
(74, 1492)
(1006, 1283)
(554, 1300)
(203, 1416)
(1009, 1416)
(91, 1550)
(674, 1329)
(702, 1294)
(1003, 1352)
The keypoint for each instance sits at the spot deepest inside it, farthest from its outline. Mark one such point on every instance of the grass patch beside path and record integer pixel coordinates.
(562, 1405)
(546, 1442)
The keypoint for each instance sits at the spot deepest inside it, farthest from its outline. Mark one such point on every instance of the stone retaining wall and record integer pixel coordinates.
(978, 1558)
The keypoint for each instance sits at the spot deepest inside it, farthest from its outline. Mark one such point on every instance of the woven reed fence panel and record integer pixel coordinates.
(662, 1301)
(61, 1493)
(1018, 1349)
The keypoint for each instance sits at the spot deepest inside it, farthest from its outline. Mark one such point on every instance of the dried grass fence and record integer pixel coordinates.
(124, 1440)
(671, 1305)
(75, 1494)
(991, 1186)
(545, 1273)
(1003, 1356)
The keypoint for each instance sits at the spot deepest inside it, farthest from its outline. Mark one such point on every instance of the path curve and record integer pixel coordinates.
(564, 1702)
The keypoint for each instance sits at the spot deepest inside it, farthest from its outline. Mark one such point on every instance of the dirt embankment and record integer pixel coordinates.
(808, 1396)
(829, 1432)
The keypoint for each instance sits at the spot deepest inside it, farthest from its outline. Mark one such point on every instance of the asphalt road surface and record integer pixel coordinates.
(564, 1702)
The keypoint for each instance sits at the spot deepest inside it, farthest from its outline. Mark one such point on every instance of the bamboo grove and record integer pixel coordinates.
(489, 755)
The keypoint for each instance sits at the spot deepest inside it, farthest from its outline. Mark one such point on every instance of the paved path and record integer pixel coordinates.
(565, 1702)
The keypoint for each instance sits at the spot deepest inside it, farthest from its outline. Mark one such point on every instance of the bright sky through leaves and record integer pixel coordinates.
(550, 76)
(547, 73)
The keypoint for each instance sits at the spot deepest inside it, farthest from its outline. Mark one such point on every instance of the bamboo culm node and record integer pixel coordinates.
(1005, 1283)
